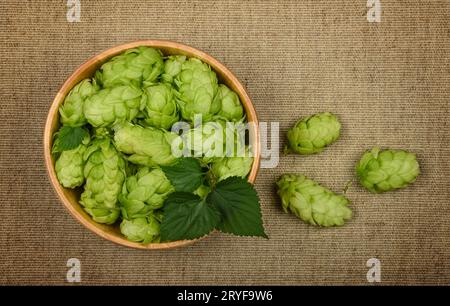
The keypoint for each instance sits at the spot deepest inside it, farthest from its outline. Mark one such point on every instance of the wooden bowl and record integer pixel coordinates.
(70, 197)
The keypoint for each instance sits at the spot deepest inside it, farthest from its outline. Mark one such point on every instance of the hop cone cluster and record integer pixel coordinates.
(144, 192)
(311, 202)
(128, 108)
(312, 134)
(385, 170)
(105, 173)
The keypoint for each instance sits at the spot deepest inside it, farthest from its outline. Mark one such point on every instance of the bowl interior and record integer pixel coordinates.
(70, 197)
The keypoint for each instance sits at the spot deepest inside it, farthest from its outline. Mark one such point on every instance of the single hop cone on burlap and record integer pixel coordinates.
(312, 134)
(311, 202)
(385, 170)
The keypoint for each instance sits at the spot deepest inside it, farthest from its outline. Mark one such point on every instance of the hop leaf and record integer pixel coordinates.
(187, 216)
(238, 203)
(186, 174)
(69, 138)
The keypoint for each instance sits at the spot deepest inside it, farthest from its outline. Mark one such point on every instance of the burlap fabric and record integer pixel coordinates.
(387, 81)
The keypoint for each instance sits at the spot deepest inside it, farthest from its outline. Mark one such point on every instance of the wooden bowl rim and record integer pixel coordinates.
(103, 56)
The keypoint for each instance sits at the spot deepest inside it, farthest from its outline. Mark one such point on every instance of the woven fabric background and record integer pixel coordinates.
(387, 81)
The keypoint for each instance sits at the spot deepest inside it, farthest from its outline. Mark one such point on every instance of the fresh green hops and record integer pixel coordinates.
(113, 105)
(160, 109)
(230, 105)
(312, 134)
(197, 86)
(139, 67)
(172, 67)
(206, 141)
(226, 167)
(72, 110)
(146, 146)
(311, 202)
(144, 192)
(143, 229)
(69, 167)
(105, 173)
(385, 170)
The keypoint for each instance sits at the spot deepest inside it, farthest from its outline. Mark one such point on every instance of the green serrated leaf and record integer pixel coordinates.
(186, 175)
(187, 216)
(69, 138)
(238, 203)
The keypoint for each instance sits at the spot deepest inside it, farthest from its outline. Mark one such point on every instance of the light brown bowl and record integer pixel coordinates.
(70, 197)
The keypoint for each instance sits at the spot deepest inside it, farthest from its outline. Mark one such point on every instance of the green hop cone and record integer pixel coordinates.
(197, 86)
(144, 192)
(105, 173)
(230, 105)
(311, 202)
(72, 109)
(226, 167)
(202, 191)
(160, 108)
(312, 134)
(139, 67)
(385, 170)
(207, 141)
(172, 67)
(113, 105)
(143, 229)
(146, 146)
(70, 166)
